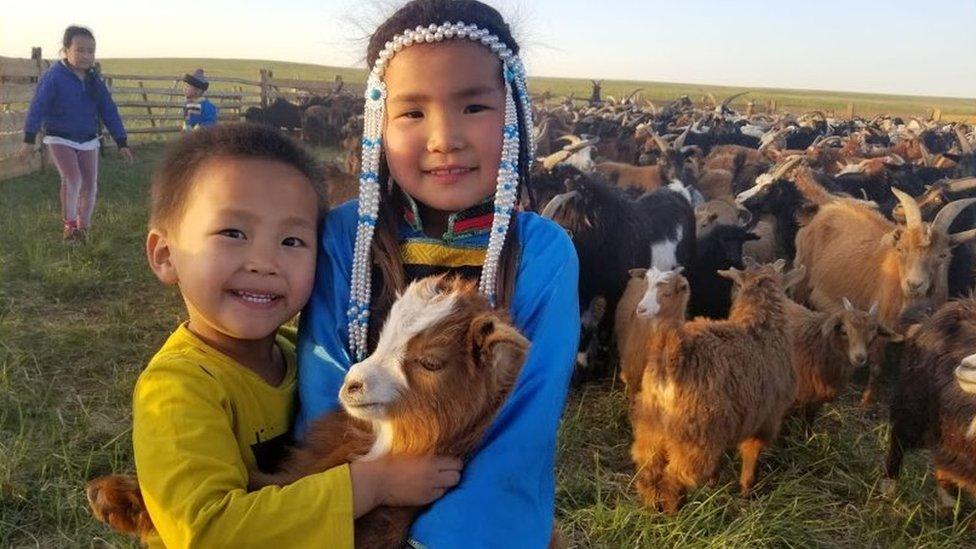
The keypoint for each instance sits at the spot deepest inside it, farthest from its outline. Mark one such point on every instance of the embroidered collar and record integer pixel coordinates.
(475, 220)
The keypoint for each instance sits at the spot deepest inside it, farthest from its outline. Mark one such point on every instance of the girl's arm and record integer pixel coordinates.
(194, 480)
(506, 495)
(110, 114)
(322, 356)
(40, 105)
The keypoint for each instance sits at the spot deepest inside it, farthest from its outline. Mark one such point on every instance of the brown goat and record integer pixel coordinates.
(708, 385)
(826, 349)
(719, 212)
(934, 405)
(443, 366)
(626, 176)
(852, 251)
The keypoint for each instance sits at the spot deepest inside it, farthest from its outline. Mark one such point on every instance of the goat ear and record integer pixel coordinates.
(830, 324)
(890, 239)
(497, 346)
(894, 336)
(745, 218)
(637, 273)
(779, 264)
(733, 274)
(791, 278)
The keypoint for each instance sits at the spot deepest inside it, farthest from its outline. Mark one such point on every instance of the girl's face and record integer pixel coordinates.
(445, 110)
(81, 52)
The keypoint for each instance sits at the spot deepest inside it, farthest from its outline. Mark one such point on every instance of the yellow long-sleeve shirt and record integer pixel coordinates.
(200, 421)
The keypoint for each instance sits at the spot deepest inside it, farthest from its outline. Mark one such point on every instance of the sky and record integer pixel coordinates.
(896, 46)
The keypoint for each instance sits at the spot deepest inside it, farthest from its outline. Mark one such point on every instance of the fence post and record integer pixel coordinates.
(850, 111)
(145, 98)
(937, 114)
(38, 58)
(265, 75)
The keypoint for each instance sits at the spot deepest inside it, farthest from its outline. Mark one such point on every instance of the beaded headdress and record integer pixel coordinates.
(513, 73)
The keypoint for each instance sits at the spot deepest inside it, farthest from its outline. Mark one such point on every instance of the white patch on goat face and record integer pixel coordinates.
(649, 305)
(383, 443)
(664, 254)
(582, 159)
(762, 182)
(381, 374)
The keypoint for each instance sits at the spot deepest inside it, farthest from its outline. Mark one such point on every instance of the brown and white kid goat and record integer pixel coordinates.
(443, 366)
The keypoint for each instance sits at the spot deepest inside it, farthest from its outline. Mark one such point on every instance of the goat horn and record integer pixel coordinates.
(948, 214)
(828, 140)
(550, 161)
(661, 144)
(961, 185)
(680, 141)
(632, 94)
(580, 145)
(848, 305)
(786, 166)
(728, 100)
(964, 144)
(960, 238)
(913, 216)
(926, 155)
(573, 139)
(557, 202)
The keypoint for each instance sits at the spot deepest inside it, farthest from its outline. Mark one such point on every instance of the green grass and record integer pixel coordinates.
(796, 101)
(77, 324)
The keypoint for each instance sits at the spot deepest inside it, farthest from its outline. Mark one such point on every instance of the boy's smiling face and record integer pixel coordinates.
(243, 252)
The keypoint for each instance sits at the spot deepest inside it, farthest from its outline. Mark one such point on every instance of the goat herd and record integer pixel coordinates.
(739, 267)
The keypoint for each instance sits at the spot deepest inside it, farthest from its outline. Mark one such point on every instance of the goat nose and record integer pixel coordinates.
(860, 359)
(353, 387)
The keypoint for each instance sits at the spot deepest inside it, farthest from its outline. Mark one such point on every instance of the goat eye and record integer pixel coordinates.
(430, 364)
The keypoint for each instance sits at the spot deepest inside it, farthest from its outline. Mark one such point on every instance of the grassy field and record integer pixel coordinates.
(78, 323)
(796, 101)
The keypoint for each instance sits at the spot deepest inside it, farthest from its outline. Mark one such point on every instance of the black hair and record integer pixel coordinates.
(72, 31)
(173, 177)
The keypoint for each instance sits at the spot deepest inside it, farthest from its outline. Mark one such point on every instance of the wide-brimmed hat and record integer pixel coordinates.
(197, 80)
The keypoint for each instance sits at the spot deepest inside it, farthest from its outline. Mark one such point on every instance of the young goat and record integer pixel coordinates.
(654, 300)
(708, 385)
(826, 349)
(443, 366)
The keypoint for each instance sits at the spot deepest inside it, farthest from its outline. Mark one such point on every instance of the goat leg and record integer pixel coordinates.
(750, 450)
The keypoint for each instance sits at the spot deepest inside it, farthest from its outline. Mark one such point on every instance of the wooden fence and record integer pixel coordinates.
(18, 79)
(151, 105)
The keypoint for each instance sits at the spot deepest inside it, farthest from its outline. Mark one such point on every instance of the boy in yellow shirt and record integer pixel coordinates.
(235, 212)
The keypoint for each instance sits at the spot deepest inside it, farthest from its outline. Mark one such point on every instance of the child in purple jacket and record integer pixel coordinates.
(70, 103)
